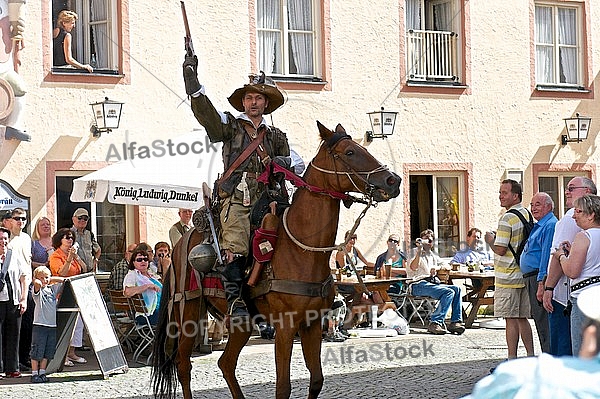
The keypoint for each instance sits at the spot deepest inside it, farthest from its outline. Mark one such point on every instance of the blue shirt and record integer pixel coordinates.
(470, 255)
(537, 249)
(544, 376)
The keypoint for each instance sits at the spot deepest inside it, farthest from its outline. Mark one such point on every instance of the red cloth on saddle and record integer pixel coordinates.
(193, 281)
(268, 239)
(212, 281)
(209, 281)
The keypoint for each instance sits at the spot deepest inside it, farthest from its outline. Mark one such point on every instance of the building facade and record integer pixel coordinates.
(481, 90)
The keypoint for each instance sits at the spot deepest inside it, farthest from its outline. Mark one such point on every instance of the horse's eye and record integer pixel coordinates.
(349, 153)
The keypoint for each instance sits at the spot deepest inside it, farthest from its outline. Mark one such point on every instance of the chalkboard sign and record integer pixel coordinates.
(81, 294)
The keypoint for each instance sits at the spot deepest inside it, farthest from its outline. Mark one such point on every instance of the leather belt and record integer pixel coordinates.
(531, 274)
(585, 283)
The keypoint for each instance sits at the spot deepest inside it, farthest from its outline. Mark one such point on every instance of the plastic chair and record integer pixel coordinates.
(143, 328)
(122, 319)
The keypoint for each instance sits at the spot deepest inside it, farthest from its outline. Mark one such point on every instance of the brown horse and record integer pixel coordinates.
(300, 287)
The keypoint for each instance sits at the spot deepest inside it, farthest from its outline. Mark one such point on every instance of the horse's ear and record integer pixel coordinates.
(325, 133)
(340, 129)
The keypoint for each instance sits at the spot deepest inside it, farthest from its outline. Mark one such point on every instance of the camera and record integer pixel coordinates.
(161, 255)
(423, 241)
(565, 249)
(76, 246)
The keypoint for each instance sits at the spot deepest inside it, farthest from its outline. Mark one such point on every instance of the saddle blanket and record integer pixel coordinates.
(211, 284)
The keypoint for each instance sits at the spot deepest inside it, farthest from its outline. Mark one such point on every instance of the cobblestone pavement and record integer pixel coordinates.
(418, 365)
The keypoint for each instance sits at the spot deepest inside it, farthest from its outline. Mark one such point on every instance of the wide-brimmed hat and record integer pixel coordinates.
(588, 302)
(258, 84)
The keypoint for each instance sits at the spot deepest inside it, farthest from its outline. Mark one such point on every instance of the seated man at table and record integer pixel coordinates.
(473, 252)
(422, 268)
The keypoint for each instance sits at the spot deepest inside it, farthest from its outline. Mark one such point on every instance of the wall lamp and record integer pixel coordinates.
(577, 129)
(382, 124)
(107, 115)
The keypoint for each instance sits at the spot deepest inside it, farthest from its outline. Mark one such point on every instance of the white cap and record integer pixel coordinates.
(589, 302)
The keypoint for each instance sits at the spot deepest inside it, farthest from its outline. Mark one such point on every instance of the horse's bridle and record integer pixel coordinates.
(332, 142)
(350, 172)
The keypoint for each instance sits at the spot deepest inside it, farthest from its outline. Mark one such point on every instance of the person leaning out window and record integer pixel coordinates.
(62, 39)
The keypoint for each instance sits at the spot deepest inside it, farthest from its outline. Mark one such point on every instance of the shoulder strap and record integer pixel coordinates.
(523, 220)
(245, 154)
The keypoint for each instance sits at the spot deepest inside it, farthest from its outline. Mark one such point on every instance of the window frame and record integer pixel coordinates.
(118, 18)
(555, 7)
(323, 50)
(560, 171)
(461, 26)
(463, 173)
(284, 33)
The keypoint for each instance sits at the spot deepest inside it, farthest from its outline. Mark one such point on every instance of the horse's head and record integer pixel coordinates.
(346, 166)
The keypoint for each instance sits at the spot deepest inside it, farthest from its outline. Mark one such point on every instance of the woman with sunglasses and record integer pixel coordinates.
(65, 262)
(580, 261)
(392, 256)
(141, 280)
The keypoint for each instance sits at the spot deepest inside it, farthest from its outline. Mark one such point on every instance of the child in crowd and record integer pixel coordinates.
(43, 340)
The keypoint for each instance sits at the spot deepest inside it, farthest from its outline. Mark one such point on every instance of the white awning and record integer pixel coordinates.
(173, 180)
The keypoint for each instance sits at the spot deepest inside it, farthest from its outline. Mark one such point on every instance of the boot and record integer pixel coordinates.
(233, 278)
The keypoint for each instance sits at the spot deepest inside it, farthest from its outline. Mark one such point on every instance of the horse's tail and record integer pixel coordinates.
(164, 368)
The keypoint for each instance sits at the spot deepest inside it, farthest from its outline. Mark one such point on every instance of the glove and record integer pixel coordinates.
(190, 75)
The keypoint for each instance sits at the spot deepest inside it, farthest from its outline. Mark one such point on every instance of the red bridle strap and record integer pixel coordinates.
(298, 182)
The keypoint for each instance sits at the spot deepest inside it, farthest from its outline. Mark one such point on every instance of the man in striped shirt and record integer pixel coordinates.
(510, 297)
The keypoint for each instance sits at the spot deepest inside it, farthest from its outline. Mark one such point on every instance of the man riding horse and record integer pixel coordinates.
(238, 188)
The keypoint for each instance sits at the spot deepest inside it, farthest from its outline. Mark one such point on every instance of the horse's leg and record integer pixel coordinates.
(310, 339)
(184, 366)
(238, 337)
(187, 336)
(284, 339)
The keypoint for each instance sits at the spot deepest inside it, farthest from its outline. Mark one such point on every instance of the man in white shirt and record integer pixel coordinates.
(556, 291)
(422, 268)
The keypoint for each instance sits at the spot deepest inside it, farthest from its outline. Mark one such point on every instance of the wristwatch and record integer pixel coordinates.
(546, 288)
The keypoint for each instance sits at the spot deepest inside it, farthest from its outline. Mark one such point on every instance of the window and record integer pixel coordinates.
(95, 36)
(436, 203)
(555, 187)
(433, 45)
(107, 222)
(288, 40)
(558, 53)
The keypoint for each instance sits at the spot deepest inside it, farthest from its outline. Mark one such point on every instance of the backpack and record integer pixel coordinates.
(527, 227)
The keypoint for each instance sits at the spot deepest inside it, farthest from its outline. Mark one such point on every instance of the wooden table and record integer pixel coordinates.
(355, 301)
(476, 296)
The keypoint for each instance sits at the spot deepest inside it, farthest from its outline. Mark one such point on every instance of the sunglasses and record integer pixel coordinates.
(68, 237)
(573, 188)
(394, 241)
(86, 218)
(20, 218)
(144, 259)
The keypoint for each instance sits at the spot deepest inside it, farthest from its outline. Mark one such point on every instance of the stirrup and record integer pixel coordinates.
(238, 308)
